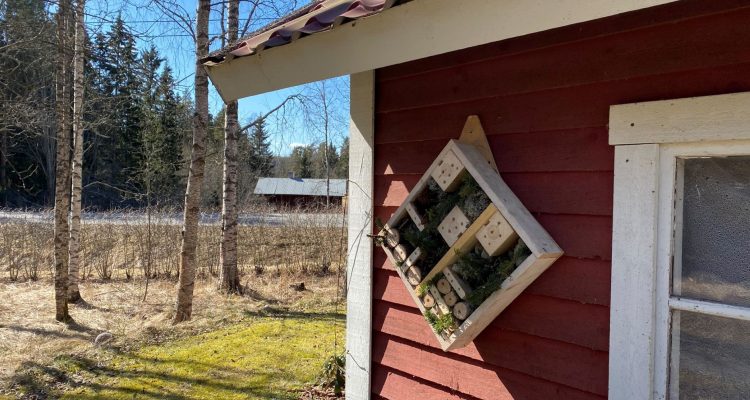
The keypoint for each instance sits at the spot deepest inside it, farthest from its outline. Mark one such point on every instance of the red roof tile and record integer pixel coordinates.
(318, 16)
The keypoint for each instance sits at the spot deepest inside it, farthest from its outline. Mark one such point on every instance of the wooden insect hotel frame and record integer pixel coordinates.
(499, 233)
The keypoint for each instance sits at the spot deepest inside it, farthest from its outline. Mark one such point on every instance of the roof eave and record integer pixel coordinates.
(414, 30)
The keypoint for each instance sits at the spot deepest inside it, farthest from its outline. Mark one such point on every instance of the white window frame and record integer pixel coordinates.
(648, 137)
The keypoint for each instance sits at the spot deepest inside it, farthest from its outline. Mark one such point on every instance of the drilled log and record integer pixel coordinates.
(450, 298)
(392, 237)
(444, 287)
(414, 275)
(428, 301)
(461, 310)
(400, 253)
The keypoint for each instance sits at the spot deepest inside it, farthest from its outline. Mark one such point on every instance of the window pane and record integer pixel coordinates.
(715, 230)
(711, 356)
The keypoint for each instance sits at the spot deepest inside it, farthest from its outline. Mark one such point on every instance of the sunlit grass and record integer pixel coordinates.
(270, 357)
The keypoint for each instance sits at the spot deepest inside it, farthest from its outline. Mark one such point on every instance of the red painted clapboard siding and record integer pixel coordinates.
(391, 384)
(556, 109)
(727, 43)
(540, 192)
(569, 150)
(544, 102)
(473, 377)
(548, 317)
(599, 29)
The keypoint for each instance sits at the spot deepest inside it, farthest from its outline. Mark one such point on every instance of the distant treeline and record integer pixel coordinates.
(137, 123)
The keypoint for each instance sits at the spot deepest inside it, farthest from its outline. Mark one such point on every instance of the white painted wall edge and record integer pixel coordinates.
(695, 119)
(415, 30)
(360, 248)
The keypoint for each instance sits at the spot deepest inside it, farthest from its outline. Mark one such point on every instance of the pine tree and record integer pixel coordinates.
(116, 155)
(319, 160)
(302, 162)
(171, 135)
(27, 146)
(260, 158)
(342, 166)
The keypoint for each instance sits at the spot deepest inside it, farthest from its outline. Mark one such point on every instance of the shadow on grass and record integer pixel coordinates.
(73, 331)
(85, 305)
(83, 376)
(281, 312)
(256, 295)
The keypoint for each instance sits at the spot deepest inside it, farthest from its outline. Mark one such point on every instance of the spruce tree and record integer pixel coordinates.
(302, 162)
(260, 159)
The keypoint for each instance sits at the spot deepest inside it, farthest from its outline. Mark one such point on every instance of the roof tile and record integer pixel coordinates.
(318, 16)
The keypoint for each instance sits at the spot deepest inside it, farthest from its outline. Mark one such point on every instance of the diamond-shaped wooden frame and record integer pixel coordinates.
(473, 151)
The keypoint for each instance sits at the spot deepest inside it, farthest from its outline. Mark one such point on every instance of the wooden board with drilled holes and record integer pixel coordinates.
(470, 156)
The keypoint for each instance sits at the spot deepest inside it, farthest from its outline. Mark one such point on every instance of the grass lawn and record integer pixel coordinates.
(268, 344)
(268, 357)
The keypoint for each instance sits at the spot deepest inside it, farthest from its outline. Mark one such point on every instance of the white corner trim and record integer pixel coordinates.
(411, 31)
(360, 248)
(634, 235)
(696, 119)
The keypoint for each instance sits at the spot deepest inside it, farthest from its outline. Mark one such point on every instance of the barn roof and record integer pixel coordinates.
(300, 187)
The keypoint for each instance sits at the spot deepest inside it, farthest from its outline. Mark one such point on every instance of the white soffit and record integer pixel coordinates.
(411, 31)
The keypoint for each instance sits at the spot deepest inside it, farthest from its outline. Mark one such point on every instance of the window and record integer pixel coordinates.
(680, 314)
(704, 294)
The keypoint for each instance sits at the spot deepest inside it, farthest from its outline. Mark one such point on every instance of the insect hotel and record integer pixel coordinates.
(463, 243)
(547, 199)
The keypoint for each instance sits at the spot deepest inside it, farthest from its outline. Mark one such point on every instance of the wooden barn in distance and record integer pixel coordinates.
(617, 148)
(301, 192)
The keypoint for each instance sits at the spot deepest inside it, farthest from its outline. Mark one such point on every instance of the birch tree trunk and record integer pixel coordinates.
(3, 161)
(74, 294)
(229, 280)
(195, 177)
(62, 167)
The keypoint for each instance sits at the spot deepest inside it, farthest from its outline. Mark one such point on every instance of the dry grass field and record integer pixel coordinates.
(216, 355)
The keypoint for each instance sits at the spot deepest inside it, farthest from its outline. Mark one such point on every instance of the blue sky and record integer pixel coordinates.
(176, 46)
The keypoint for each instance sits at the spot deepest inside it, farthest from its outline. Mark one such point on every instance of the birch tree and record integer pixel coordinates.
(74, 294)
(229, 280)
(62, 167)
(195, 176)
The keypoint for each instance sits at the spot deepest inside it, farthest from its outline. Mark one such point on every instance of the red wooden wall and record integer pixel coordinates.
(544, 102)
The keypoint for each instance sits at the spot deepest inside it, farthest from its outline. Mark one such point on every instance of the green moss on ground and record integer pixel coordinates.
(266, 357)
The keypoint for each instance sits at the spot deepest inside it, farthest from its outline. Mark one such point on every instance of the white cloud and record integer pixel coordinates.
(295, 145)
